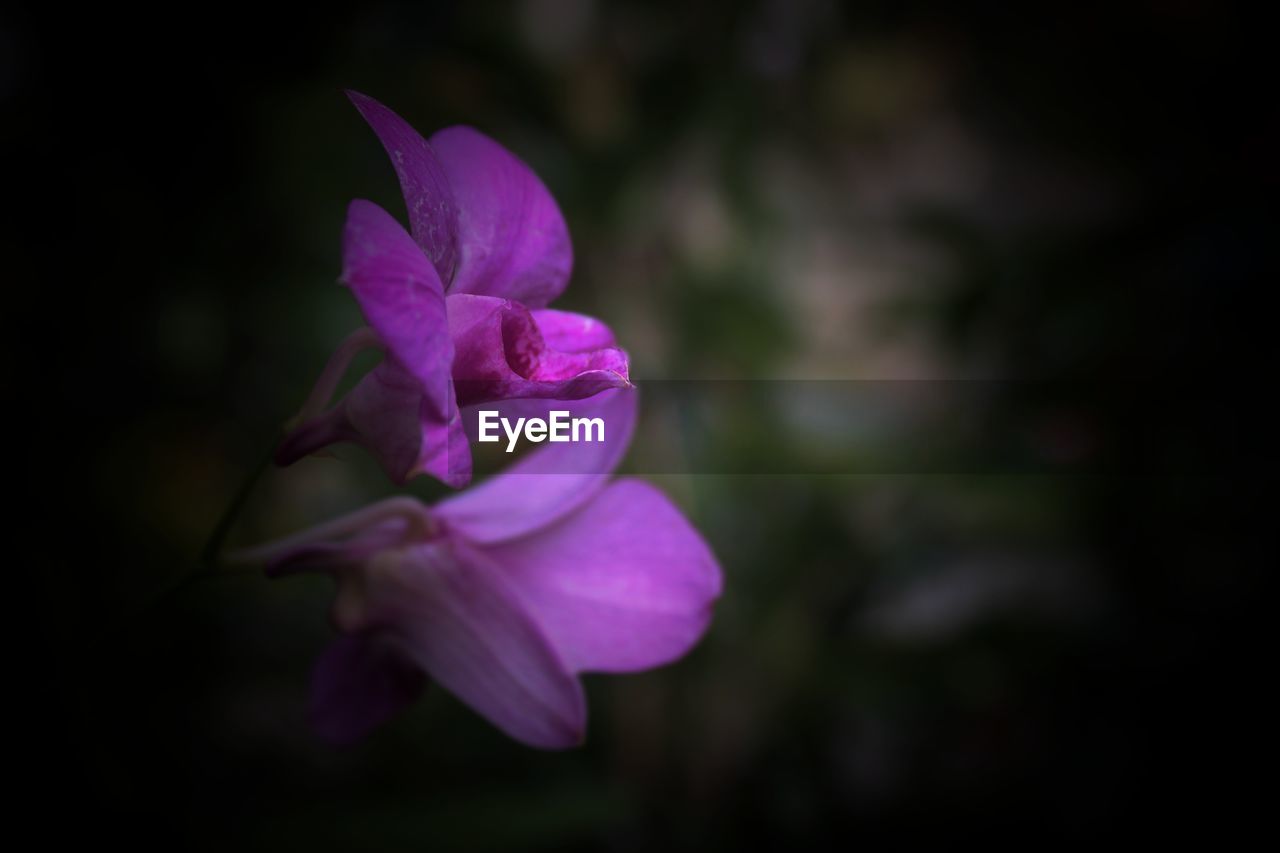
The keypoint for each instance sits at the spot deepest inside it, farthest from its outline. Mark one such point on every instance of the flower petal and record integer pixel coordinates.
(433, 212)
(624, 584)
(400, 295)
(360, 682)
(501, 354)
(344, 542)
(512, 239)
(387, 413)
(569, 332)
(548, 483)
(453, 613)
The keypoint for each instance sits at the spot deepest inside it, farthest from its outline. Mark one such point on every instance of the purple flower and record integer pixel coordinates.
(458, 307)
(505, 593)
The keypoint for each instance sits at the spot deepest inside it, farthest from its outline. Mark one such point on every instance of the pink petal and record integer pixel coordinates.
(501, 354)
(347, 541)
(454, 615)
(423, 180)
(400, 295)
(548, 483)
(331, 555)
(512, 240)
(624, 584)
(387, 414)
(360, 682)
(569, 332)
(390, 417)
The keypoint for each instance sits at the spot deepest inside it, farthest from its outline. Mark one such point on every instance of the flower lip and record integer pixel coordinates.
(502, 352)
(529, 356)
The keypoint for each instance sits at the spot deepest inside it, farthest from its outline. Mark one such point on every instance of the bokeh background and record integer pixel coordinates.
(1051, 217)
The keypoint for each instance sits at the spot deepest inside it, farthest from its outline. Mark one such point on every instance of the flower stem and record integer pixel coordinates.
(207, 564)
(213, 547)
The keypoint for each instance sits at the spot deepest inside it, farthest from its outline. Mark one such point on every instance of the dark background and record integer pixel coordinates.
(1056, 202)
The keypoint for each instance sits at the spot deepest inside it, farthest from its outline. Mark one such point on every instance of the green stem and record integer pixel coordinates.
(207, 566)
(213, 547)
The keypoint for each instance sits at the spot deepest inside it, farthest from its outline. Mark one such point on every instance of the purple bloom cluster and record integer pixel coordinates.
(505, 592)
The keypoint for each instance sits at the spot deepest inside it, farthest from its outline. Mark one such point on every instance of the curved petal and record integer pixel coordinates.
(570, 332)
(512, 240)
(501, 354)
(334, 555)
(388, 415)
(359, 683)
(401, 297)
(624, 584)
(312, 436)
(346, 541)
(433, 213)
(548, 483)
(453, 613)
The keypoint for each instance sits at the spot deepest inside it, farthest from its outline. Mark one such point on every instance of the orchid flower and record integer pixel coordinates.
(457, 304)
(505, 593)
